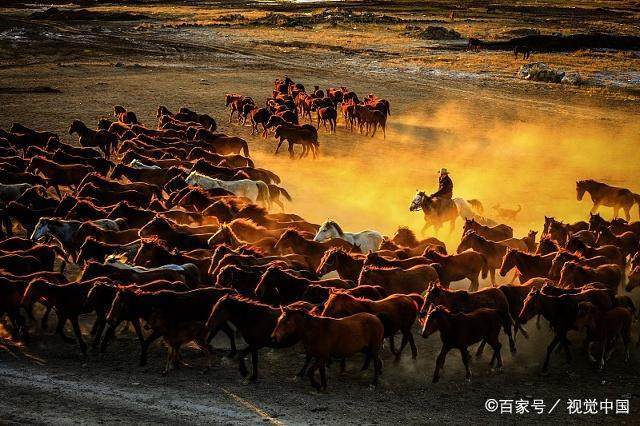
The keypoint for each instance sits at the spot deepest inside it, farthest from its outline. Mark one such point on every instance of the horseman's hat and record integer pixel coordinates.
(444, 171)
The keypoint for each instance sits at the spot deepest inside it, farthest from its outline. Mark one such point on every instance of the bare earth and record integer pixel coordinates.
(506, 141)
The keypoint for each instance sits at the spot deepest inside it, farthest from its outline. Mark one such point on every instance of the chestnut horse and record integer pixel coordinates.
(606, 195)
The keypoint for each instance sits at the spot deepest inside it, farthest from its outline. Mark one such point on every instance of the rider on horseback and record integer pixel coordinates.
(445, 186)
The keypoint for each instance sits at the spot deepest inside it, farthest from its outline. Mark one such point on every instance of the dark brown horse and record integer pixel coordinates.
(606, 195)
(347, 265)
(460, 330)
(94, 138)
(528, 265)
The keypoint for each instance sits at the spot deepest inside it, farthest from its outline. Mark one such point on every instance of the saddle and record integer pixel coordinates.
(441, 205)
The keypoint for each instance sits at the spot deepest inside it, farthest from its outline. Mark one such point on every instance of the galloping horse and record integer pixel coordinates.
(610, 196)
(437, 212)
(365, 240)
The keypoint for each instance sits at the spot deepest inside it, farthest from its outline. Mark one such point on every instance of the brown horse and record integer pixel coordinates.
(560, 311)
(628, 242)
(375, 259)
(405, 237)
(153, 253)
(347, 265)
(225, 235)
(564, 256)
(305, 135)
(325, 338)
(574, 275)
(94, 138)
(254, 321)
(515, 295)
(604, 327)
(280, 287)
(70, 175)
(293, 240)
(398, 280)
(455, 267)
(528, 265)
(318, 295)
(465, 301)
(606, 195)
(493, 233)
(612, 253)
(460, 330)
(492, 251)
(398, 311)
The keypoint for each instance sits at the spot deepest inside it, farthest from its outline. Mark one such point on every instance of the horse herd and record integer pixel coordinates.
(169, 229)
(289, 104)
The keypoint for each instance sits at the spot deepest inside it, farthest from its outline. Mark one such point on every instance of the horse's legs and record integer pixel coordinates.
(627, 213)
(440, 363)
(242, 368)
(403, 343)
(507, 326)
(616, 211)
(595, 207)
(423, 231)
(145, 343)
(414, 349)
(550, 348)
(452, 225)
(254, 365)
(392, 344)
(465, 361)
(78, 333)
(279, 144)
(474, 283)
(232, 341)
(99, 325)
(60, 330)
(303, 370)
(44, 321)
(480, 348)
(492, 272)
(291, 153)
(311, 372)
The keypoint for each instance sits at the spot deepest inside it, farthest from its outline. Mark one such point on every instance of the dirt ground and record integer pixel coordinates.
(506, 141)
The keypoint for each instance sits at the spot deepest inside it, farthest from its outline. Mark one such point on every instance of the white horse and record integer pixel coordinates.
(137, 164)
(255, 190)
(366, 241)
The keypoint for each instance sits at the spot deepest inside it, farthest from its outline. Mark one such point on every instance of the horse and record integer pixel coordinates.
(564, 256)
(560, 311)
(366, 241)
(293, 240)
(397, 280)
(102, 139)
(405, 237)
(573, 275)
(225, 235)
(605, 327)
(376, 259)
(254, 321)
(325, 338)
(305, 135)
(438, 212)
(516, 294)
(399, 313)
(606, 195)
(528, 265)
(469, 301)
(628, 242)
(93, 249)
(347, 265)
(455, 267)
(494, 233)
(492, 251)
(613, 253)
(256, 191)
(281, 287)
(318, 295)
(460, 330)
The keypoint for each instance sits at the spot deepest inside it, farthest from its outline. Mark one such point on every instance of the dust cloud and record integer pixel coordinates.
(526, 159)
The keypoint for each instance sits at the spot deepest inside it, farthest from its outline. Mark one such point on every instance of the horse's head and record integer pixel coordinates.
(220, 236)
(339, 304)
(580, 189)
(433, 317)
(123, 306)
(530, 307)
(430, 298)
(42, 228)
(508, 262)
(76, 126)
(327, 231)
(418, 201)
(288, 325)
(329, 260)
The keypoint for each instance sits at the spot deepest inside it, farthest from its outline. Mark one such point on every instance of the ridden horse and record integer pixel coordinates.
(437, 212)
(325, 338)
(459, 331)
(366, 241)
(606, 195)
(94, 138)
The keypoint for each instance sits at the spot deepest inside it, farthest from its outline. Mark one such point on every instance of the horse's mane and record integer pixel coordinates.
(249, 249)
(244, 299)
(336, 226)
(405, 234)
(155, 241)
(379, 268)
(252, 210)
(247, 223)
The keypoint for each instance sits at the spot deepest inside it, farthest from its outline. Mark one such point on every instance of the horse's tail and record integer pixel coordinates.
(636, 199)
(274, 177)
(245, 148)
(284, 193)
(263, 193)
(485, 266)
(477, 205)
